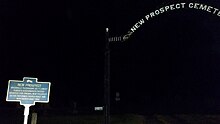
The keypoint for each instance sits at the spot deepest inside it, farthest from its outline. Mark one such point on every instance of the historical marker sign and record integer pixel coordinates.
(28, 91)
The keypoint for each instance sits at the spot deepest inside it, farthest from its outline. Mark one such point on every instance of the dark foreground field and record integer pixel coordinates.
(118, 119)
(15, 116)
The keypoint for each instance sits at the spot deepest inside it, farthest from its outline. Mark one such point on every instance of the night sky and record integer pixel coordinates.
(170, 64)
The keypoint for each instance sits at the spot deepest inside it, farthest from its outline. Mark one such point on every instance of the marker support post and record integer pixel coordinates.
(26, 113)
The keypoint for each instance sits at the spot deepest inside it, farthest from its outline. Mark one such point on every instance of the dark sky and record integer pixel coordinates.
(171, 64)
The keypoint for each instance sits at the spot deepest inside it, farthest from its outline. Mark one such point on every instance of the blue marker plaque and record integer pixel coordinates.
(28, 91)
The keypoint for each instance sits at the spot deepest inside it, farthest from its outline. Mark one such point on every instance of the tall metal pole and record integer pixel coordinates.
(107, 79)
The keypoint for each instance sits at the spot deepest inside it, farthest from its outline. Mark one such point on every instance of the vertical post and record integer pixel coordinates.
(26, 113)
(34, 118)
(107, 80)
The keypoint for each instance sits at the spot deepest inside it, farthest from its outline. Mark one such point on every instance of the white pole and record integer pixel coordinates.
(26, 113)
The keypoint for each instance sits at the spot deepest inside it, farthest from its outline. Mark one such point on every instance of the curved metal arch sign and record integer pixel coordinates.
(171, 7)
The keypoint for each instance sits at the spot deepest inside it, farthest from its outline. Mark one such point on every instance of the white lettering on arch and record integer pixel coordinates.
(171, 7)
